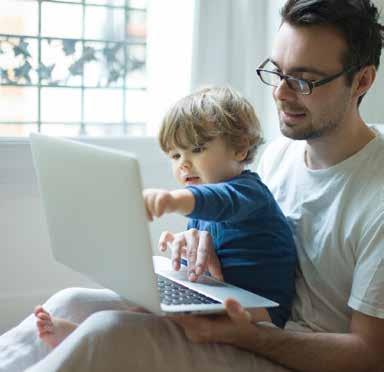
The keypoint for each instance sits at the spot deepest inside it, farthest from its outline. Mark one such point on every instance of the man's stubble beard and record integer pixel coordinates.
(327, 125)
(309, 133)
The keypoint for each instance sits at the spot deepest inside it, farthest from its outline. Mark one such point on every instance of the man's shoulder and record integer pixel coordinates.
(377, 151)
(376, 168)
(374, 159)
(368, 176)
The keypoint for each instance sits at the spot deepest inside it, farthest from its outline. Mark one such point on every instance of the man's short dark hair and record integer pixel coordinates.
(356, 20)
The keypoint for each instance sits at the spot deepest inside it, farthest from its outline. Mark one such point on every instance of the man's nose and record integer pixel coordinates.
(283, 92)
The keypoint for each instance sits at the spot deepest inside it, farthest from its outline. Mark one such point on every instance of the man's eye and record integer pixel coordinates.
(308, 77)
(198, 149)
(312, 79)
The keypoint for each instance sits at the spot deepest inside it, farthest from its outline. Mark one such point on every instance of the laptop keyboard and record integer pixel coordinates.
(172, 293)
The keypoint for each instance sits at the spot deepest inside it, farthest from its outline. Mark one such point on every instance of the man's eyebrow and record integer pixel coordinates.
(311, 70)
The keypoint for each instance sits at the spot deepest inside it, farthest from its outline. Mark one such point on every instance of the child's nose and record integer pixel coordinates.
(185, 163)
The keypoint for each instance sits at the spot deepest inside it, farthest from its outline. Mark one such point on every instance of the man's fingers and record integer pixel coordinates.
(178, 244)
(236, 312)
(166, 238)
(212, 262)
(203, 252)
(197, 247)
(214, 267)
(201, 255)
(192, 238)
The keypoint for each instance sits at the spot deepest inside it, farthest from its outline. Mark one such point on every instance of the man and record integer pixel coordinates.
(331, 187)
(323, 190)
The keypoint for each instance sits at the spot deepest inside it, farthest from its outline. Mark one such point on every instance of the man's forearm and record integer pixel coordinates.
(310, 352)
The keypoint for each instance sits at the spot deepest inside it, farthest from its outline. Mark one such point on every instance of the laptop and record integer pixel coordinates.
(96, 219)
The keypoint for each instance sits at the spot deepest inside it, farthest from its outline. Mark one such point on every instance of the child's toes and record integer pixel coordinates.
(44, 324)
(38, 309)
(45, 330)
(43, 316)
(40, 322)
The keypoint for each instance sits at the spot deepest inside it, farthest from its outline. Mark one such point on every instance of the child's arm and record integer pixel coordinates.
(229, 201)
(159, 201)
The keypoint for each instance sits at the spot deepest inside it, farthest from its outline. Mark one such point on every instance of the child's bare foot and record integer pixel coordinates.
(52, 330)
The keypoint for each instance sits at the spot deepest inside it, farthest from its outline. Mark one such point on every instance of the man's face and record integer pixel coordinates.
(311, 53)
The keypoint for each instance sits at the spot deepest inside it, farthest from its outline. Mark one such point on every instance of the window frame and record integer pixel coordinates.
(124, 43)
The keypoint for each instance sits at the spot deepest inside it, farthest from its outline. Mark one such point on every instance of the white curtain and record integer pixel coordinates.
(231, 38)
(169, 55)
(372, 108)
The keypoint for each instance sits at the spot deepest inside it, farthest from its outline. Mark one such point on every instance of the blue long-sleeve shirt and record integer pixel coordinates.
(252, 238)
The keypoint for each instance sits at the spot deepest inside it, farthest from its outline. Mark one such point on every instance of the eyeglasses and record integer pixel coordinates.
(301, 86)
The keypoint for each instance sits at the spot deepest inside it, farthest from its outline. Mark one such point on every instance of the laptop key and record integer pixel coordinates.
(172, 293)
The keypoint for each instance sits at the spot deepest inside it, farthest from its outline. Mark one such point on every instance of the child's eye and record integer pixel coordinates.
(175, 156)
(198, 149)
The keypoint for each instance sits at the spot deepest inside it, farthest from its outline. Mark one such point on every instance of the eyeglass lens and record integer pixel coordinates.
(274, 79)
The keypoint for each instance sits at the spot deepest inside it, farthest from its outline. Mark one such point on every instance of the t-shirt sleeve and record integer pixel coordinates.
(367, 294)
(228, 201)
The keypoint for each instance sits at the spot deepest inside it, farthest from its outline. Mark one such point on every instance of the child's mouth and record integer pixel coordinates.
(192, 180)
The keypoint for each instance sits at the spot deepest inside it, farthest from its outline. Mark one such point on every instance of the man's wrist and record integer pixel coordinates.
(257, 338)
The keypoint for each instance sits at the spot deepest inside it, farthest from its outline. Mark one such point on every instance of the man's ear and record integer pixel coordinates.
(363, 80)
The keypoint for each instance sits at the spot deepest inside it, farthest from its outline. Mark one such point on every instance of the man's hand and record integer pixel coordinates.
(195, 246)
(295, 350)
(228, 328)
(157, 202)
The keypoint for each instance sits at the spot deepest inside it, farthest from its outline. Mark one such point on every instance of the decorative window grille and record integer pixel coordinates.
(73, 67)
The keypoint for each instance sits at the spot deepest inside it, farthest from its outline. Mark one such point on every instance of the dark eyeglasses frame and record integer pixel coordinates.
(311, 83)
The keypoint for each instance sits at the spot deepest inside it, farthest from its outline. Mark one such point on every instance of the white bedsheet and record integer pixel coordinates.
(21, 347)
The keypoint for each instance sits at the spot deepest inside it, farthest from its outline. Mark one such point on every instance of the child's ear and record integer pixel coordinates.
(241, 155)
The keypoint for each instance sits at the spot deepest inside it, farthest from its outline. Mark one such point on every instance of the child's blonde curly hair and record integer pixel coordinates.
(209, 113)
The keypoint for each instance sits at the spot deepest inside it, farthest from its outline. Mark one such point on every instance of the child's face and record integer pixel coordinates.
(212, 162)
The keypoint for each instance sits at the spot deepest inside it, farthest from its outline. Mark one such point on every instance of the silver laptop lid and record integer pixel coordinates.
(87, 215)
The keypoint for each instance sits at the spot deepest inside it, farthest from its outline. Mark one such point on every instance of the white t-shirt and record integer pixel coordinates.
(337, 215)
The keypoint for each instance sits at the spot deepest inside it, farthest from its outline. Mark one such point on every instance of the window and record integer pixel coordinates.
(73, 67)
